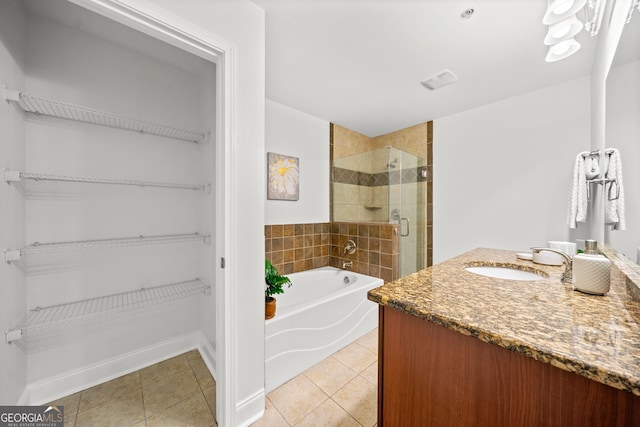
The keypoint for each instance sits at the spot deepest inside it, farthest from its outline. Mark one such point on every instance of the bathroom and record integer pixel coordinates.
(498, 191)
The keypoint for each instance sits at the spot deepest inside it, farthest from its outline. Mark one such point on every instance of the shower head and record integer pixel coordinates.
(393, 163)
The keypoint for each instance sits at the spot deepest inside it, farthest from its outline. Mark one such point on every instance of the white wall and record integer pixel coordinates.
(623, 133)
(13, 362)
(502, 171)
(297, 134)
(67, 64)
(243, 24)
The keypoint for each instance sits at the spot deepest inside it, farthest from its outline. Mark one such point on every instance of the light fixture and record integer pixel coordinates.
(635, 5)
(559, 10)
(563, 30)
(467, 13)
(562, 50)
(593, 16)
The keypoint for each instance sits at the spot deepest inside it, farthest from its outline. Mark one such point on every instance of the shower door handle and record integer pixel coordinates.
(408, 226)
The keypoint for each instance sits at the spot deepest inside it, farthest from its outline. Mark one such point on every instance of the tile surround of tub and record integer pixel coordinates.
(378, 253)
(292, 248)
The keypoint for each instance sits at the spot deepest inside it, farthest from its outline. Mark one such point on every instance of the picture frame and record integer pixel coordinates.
(283, 177)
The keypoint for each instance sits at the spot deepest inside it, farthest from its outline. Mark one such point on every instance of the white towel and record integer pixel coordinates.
(577, 211)
(592, 166)
(614, 209)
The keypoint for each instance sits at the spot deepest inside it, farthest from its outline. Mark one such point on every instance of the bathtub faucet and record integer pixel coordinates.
(347, 264)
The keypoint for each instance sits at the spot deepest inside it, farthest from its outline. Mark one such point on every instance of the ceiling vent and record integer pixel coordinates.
(443, 78)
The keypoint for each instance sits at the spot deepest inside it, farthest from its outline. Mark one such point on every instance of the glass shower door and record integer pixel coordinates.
(407, 207)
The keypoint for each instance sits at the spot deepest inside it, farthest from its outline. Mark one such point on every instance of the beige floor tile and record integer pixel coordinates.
(371, 373)
(169, 391)
(194, 356)
(370, 341)
(330, 375)
(164, 369)
(121, 387)
(119, 412)
(210, 395)
(359, 399)
(297, 398)
(328, 414)
(271, 417)
(203, 375)
(193, 411)
(356, 357)
(70, 404)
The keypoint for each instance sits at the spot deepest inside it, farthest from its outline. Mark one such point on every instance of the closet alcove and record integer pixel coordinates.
(109, 190)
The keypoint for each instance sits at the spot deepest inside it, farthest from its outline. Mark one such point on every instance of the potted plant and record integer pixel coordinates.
(274, 283)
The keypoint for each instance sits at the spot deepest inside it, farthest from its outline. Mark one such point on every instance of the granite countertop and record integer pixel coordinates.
(594, 336)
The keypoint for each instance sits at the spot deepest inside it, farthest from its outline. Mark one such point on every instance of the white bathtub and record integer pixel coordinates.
(324, 310)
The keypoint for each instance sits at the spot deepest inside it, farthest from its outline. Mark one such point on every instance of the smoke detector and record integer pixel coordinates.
(443, 78)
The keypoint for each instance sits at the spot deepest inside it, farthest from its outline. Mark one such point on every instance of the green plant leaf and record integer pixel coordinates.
(273, 280)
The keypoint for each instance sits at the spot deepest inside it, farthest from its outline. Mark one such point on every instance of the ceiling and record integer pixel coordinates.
(81, 19)
(359, 63)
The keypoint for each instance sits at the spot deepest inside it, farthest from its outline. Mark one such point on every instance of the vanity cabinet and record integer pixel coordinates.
(433, 376)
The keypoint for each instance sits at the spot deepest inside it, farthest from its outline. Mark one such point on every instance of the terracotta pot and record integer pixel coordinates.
(270, 308)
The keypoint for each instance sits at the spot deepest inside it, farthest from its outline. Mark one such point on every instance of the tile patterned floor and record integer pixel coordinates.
(176, 392)
(339, 391)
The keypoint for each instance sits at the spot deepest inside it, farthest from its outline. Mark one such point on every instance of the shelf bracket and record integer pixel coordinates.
(12, 335)
(11, 176)
(207, 137)
(15, 178)
(11, 255)
(10, 95)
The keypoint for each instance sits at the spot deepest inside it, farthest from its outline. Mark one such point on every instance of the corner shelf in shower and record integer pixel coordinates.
(16, 256)
(63, 110)
(61, 315)
(19, 180)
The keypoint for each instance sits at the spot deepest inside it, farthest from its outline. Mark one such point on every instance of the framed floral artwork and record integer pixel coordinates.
(283, 182)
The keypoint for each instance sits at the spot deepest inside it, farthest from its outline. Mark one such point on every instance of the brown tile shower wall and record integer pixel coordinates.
(297, 247)
(378, 252)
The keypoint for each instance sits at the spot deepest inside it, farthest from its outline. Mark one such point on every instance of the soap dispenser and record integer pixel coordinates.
(591, 270)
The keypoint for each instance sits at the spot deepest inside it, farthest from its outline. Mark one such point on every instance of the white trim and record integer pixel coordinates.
(226, 235)
(161, 24)
(74, 381)
(250, 409)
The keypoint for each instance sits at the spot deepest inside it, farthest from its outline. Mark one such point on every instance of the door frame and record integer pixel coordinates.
(161, 24)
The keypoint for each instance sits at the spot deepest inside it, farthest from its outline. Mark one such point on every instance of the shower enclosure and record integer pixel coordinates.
(385, 185)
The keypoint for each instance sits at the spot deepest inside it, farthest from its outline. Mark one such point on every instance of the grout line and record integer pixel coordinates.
(144, 409)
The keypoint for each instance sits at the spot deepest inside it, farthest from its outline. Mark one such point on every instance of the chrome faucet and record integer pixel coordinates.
(567, 276)
(350, 247)
(347, 264)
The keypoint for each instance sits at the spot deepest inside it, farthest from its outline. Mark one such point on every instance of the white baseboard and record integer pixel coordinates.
(250, 409)
(71, 382)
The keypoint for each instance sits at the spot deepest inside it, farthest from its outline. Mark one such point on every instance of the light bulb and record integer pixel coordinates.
(561, 48)
(563, 7)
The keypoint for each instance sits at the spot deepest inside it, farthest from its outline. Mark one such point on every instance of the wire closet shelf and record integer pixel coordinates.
(60, 315)
(79, 245)
(64, 110)
(18, 177)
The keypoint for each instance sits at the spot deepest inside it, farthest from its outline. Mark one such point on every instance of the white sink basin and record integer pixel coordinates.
(504, 273)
